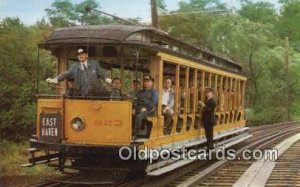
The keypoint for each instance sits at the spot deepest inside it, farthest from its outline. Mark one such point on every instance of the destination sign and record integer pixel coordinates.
(50, 127)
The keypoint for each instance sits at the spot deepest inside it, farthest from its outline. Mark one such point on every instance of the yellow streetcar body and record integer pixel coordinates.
(108, 122)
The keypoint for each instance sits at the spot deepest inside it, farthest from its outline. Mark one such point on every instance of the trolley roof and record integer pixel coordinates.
(140, 35)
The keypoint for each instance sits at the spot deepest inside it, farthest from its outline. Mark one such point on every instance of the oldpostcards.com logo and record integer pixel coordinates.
(220, 153)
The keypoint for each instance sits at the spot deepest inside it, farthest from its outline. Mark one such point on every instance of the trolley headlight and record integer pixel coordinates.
(77, 124)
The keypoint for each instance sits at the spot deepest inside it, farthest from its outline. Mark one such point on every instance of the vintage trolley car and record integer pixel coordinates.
(106, 123)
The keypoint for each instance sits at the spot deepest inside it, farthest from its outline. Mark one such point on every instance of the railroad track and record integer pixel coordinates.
(287, 169)
(89, 178)
(230, 173)
(225, 172)
(201, 173)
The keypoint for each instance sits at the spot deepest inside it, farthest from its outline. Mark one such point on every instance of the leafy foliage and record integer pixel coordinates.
(253, 36)
(18, 76)
(201, 5)
(64, 14)
(288, 23)
(161, 4)
(261, 12)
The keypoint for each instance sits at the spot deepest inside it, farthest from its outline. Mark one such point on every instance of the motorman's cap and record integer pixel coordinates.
(82, 50)
(148, 77)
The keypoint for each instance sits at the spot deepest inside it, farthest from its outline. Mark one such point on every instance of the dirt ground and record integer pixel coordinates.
(17, 181)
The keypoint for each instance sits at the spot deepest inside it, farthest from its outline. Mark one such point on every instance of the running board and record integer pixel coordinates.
(47, 158)
(199, 141)
(39, 162)
(177, 164)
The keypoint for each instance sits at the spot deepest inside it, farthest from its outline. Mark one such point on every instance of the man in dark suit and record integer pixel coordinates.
(145, 104)
(86, 75)
(208, 116)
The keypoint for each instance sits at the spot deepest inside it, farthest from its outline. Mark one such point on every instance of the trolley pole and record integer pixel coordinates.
(288, 97)
(154, 14)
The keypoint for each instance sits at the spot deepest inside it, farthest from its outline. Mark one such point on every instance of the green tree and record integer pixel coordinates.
(91, 17)
(201, 5)
(249, 36)
(63, 14)
(197, 26)
(288, 23)
(18, 55)
(161, 4)
(262, 12)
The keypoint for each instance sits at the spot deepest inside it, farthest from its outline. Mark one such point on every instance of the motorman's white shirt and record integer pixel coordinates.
(83, 64)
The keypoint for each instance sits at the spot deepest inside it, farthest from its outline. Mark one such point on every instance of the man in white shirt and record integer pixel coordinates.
(168, 104)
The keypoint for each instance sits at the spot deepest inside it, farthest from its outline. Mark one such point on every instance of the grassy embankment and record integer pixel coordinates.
(13, 155)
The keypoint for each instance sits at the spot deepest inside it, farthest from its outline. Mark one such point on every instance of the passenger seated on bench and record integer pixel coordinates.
(136, 87)
(168, 102)
(116, 88)
(145, 104)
